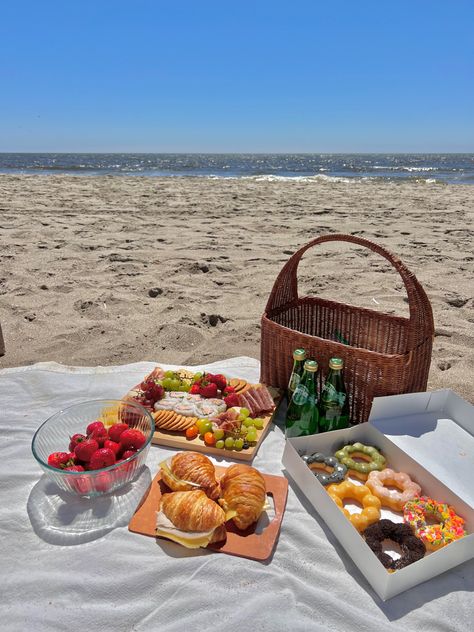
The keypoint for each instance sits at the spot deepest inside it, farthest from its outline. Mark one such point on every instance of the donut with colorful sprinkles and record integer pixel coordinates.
(448, 526)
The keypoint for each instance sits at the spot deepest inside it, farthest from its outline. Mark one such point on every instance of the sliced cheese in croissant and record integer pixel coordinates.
(191, 519)
(244, 495)
(187, 471)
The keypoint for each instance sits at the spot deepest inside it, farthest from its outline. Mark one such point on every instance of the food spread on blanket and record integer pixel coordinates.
(223, 413)
(425, 524)
(196, 509)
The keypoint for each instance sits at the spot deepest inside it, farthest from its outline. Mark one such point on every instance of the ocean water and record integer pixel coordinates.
(431, 168)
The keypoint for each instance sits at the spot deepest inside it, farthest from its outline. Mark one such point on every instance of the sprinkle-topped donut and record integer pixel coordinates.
(449, 526)
(327, 469)
(377, 481)
(411, 547)
(370, 503)
(373, 460)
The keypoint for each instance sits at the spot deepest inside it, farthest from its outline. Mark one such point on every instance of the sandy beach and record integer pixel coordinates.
(111, 270)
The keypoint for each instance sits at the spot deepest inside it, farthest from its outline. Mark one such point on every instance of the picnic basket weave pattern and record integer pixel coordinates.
(386, 354)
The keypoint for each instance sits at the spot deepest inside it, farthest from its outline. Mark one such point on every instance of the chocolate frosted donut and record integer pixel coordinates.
(412, 548)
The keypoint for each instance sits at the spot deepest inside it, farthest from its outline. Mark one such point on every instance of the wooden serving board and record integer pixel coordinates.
(256, 543)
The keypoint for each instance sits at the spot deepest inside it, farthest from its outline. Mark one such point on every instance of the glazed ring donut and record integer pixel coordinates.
(327, 469)
(412, 548)
(373, 459)
(449, 526)
(370, 503)
(390, 497)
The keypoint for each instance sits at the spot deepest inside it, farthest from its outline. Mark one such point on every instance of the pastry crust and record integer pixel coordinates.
(189, 471)
(243, 494)
(192, 511)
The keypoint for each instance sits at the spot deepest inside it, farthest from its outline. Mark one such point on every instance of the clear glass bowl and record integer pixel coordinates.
(54, 435)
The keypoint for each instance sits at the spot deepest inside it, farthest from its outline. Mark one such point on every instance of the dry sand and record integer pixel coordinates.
(112, 270)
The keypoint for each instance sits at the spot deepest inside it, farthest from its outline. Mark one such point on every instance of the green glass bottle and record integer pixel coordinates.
(299, 356)
(302, 413)
(334, 403)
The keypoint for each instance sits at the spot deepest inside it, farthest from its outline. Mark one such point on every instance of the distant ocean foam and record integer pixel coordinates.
(316, 168)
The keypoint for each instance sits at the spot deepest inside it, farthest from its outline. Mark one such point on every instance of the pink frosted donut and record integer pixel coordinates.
(392, 498)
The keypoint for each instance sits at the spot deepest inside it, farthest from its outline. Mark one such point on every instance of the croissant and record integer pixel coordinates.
(243, 494)
(191, 519)
(190, 471)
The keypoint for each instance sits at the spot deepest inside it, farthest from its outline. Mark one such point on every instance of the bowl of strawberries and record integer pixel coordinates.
(95, 447)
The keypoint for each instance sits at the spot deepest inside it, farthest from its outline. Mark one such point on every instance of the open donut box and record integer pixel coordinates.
(428, 435)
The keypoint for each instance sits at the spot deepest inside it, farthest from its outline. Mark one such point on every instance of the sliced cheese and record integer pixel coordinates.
(190, 539)
(165, 465)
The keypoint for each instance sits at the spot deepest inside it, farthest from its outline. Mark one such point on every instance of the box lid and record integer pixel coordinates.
(436, 429)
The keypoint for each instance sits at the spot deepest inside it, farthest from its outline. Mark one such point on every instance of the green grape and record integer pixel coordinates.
(169, 374)
(245, 412)
(204, 425)
(197, 376)
(258, 423)
(238, 444)
(251, 435)
(182, 387)
(218, 433)
(243, 430)
(174, 384)
(229, 443)
(241, 418)
(220, 444)
(248, 421)
(166, 384)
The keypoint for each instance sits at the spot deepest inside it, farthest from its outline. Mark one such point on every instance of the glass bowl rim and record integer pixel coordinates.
(102, 469)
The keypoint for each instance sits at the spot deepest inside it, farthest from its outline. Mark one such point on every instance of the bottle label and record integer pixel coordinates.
(294, 381)
(331, 395)
(301, 394)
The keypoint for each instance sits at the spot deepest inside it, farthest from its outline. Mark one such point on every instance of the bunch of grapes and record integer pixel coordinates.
(241, 438)
(173, 381)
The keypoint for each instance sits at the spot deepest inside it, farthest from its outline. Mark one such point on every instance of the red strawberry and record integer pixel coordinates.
(132, 438)
(75, 439)
(228, 390)
(231, 400)
(95, 425)
(100, 435)
(82, 484)
(58, 459)
(112, 445)
(103, 481)
(86, 449)
(219, 380)
(71, 460)
(102, 458)
(116, 430)
(75, 468)
(208, 390)
(194, 390)
(127, 454)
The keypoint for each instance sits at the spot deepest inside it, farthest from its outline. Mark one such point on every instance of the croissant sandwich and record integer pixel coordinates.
(191, 519)
(188, 471)
(244, 495)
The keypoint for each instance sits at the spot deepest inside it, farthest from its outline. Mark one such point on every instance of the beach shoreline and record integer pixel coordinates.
(113, 269)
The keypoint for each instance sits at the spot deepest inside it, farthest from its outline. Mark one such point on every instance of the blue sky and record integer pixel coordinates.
(261, 76)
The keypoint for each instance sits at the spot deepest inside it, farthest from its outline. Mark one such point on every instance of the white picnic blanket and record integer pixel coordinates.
(73, 565)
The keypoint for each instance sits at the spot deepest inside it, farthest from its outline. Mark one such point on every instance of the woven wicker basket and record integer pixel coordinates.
(387, 354)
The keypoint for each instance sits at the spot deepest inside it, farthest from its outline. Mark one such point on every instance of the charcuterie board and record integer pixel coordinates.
(256, 543)
(171, 426)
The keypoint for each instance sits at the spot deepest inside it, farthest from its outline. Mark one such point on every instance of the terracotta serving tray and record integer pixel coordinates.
(256, 543)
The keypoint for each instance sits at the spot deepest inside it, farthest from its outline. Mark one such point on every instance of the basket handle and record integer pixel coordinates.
(285, 288)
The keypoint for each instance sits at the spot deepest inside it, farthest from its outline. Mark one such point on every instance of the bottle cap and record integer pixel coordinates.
(311, 366)
(336, 363)
(299, 354)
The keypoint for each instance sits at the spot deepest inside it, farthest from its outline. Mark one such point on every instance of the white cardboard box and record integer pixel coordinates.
(428, 435)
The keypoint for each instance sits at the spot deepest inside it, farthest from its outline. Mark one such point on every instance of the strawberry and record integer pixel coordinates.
(75, 468)
(82, 484)
(132, 438)
(116, 430)
(231, 400)
(219, 380)
(95, 425)
(208, 390)
(102, 458)
(127, 454)
(75, 439)
(103, 481)
(58, 459)
(86, 449)
(194, 390)
(100, 435)
(112, 445)
(228, 390)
